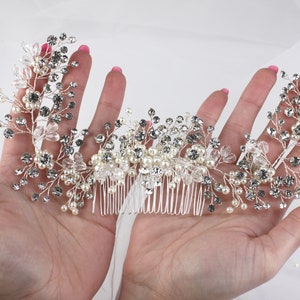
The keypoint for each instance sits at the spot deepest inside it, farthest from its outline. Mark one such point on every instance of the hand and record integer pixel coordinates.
(46, 254)
(215, 256)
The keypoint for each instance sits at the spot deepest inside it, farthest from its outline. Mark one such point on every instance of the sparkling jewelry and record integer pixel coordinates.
(173, 166)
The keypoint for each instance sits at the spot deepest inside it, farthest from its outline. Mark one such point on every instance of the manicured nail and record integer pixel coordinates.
(225, 91)
(117, 69)
(46, 48)
(273, 68)
(84, 48)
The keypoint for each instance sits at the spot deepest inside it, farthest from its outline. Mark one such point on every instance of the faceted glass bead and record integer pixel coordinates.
(35, 197)
(33, 172)
(57, 191)
(8, 133)
(26, 158)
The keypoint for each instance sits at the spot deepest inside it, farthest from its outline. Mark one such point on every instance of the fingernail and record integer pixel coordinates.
(273, 68)
(225, 91)
(46, 48)
(117, 69)
(84, 48)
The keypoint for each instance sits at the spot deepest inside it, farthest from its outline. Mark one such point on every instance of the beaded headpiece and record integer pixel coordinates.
(173, 166)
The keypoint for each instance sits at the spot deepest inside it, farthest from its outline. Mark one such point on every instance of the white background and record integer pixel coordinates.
(173, 53)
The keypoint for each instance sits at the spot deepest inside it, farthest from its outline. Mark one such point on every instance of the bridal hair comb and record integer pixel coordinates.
(173, 166)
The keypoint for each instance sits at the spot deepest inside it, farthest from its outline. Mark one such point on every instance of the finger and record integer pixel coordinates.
(243, 116)
(211, 109)
(107, 110)
(281, 242)
(72, 96)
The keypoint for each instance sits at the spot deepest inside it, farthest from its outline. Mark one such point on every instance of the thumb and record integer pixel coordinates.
(281, 242)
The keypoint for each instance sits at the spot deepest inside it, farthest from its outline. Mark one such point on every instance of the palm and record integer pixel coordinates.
(51, 254)
(174, 257)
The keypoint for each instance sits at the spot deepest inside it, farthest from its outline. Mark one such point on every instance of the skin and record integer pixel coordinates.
(46, 254)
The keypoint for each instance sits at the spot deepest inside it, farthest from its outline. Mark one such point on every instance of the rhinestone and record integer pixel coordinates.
(269, 115)
(73, 84)
(289, 112)
(69, 116)
(41, 186)
(295, 161)
(210, 129)
(211, 208)
(57, 191)
(35, 197)
(296, 130)
(63, 60)
(72, 39)
(63, 36)
(52, 40)
(71, 105)
(179, 119)
(282, 205)
(285, 135)
(151, 112)
(84, 132)
(215, 142)
(74, 64)
(118, 123)
(53, 77)
(250, 195)
(69, 150)
(218, 200)
(71, 94)
(52, 174)
(79, 142)
(26, 158)
(275, 193)
(288, 194)
(33, 172)
(193, 138)
(45, 111)
(46, 199)
(8, 133)
(24, 181)
(18, 172)
(289, 181)
(261, 193)
(206, 180)
(155, 119)
(138, 152)
(140, 136)
(100, 138)
(16, 187)
(296, 100)
(55, 119)
(8, 118)
(192, 154)
(107, 156)
(107, 126)
(271, 131)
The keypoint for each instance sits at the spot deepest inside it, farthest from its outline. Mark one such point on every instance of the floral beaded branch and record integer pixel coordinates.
(174, 166)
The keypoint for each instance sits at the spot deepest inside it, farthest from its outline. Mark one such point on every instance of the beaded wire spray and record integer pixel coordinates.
(173, 167)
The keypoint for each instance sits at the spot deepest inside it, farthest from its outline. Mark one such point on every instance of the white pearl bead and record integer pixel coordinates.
(64, 208)
(225, 190)
(244, 206)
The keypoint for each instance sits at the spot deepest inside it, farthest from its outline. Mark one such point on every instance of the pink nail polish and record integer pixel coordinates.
(84, 48)
(117, 69)
(46, 48)
(225, 91)
(273, 68)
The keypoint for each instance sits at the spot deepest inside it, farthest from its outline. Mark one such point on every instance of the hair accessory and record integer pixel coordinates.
(175, 166)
